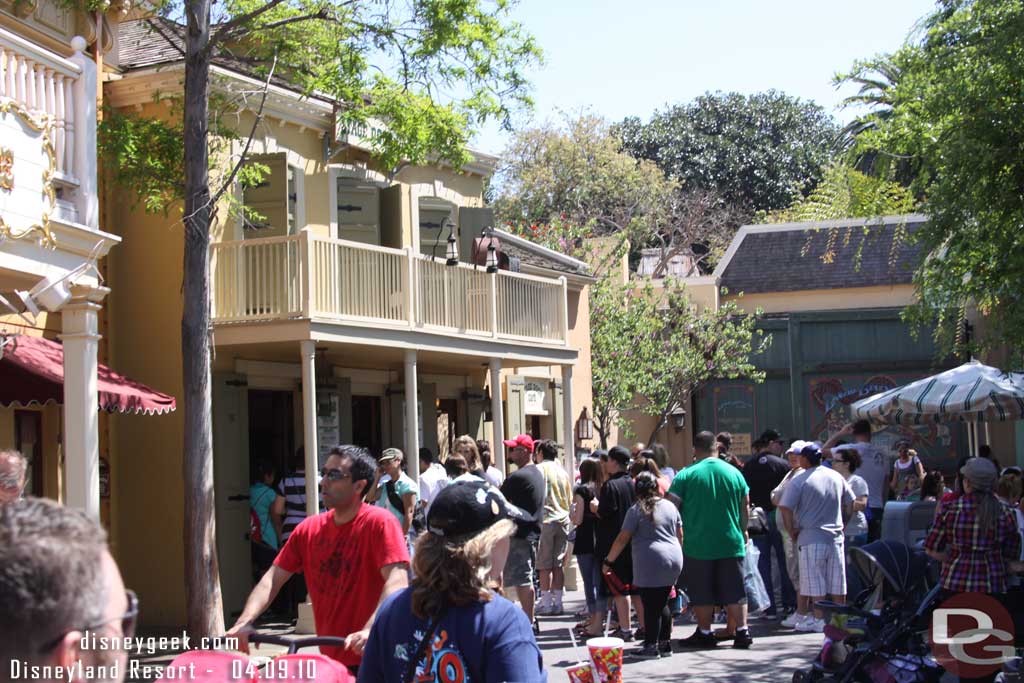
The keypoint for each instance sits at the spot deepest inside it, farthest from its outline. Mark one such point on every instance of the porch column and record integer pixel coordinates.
(412, 432)
(307, 351)
(79, 320)
(569, 424)
(497, 416)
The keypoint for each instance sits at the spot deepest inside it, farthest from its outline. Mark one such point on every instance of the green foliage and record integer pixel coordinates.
(560, 184)
(956, 112)
(844, 192)
(431, 70)
(752, 149)
(652, 347)
(577, 174)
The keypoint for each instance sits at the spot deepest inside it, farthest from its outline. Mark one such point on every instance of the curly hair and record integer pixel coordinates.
(465, 446)
(647, 495)
(453, 574)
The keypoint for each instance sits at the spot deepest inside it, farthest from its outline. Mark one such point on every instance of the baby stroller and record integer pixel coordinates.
(882, 636)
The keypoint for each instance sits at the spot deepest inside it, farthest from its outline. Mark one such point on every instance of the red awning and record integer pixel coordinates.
(32, 371)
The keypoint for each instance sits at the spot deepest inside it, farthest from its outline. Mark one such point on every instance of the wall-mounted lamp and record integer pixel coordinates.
(584, 426)
(452, 252)
(678, 416)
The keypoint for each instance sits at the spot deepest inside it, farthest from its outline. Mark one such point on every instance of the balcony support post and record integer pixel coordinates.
(308, 265)
(568, 424)
(412, 432)
(86, 196)
(307, 349)
(563, 310)
(492, 286)
(410, 297)
(497, 416)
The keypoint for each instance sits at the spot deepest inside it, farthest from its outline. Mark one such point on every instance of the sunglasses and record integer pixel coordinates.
(334, 474)
(128, 622)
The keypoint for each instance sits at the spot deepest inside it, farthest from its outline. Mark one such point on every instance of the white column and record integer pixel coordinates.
(497, 416)
(81, 402)
(307, 350)
(412, 433)
(569, 423)
(86, 196)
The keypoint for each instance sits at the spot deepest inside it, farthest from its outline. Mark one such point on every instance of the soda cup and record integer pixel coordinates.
(606, 656)
(581, 673)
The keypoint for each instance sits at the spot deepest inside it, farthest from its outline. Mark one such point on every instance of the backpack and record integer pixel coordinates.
(255, 526)
(419, 517)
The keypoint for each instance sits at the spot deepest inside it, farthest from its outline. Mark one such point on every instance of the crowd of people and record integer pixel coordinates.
(414, 575)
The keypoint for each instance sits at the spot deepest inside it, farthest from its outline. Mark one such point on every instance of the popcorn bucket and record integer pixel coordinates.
(581, 673)
(606, 656)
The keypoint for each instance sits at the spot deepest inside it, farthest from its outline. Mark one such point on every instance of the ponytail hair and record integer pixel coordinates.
(647, 495)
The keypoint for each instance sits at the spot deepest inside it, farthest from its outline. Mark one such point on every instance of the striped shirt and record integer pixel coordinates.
(293, 489)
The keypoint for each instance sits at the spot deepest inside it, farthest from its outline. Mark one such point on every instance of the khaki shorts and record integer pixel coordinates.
(554, 541)
(520, 563)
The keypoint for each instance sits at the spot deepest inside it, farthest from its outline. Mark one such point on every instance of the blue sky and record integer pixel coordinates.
(619, 58)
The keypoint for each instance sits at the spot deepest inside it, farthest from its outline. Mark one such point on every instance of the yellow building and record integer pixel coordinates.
(328, 312)
(52, 248)
(831, 294)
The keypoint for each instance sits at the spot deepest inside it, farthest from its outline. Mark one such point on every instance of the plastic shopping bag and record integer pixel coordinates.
(758, 599)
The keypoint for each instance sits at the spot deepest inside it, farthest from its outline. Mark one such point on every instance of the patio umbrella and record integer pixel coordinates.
(972, 393)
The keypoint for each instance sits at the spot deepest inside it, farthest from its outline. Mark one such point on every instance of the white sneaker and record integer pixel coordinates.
(811, 625)
(793, 619)
(543, 607)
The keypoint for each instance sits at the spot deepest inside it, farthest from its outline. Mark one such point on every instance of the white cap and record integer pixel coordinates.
(797, 446)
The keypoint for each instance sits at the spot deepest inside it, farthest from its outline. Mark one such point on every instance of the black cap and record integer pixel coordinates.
(465, 508)
(620, 455)
(769, 435)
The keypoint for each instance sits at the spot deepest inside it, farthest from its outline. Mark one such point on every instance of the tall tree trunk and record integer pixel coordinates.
(202, 577)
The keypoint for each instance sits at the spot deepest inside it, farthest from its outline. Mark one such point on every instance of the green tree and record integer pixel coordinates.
(955, 111)
(398, 63)
(651, 348)
(753, 149)
(561, 184)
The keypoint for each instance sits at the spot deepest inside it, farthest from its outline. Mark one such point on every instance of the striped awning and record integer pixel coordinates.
(972, 392)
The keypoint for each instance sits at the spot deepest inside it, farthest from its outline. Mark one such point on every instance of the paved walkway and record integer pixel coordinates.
(775, 654)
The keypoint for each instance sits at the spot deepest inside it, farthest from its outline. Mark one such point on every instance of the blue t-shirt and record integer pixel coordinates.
(481, 643)
(261, 498)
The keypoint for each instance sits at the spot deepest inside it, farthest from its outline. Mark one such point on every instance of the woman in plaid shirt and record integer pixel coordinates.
(974, 536)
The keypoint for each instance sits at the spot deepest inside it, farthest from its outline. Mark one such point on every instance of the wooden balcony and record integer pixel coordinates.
(308, 277)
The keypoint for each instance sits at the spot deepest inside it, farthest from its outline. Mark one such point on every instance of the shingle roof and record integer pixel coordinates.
(142, 45)
(537, 259)
(832, 255)
(154, 41)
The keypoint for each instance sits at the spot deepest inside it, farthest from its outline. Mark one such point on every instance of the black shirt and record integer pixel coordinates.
(584, 543)
(614, 502)
(524, 488)
(763, 473)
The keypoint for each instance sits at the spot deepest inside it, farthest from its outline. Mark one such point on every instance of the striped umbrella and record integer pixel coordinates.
(972, 392)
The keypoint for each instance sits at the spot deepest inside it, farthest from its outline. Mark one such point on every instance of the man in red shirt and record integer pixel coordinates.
(353, 557)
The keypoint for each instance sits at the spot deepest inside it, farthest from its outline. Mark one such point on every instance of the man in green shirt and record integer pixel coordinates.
(713, 498)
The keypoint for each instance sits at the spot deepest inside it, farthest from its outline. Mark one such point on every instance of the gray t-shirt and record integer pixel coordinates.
(657, 556)
(858, 523)
(816, 497)
(874, 469)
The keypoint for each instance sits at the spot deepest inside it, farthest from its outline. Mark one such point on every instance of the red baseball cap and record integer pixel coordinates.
(524, 440)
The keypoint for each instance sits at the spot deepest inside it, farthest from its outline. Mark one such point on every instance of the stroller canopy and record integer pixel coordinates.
(896, 566)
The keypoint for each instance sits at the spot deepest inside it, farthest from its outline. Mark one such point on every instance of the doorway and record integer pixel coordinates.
(271, 428)
(28, 439)
(366, 429)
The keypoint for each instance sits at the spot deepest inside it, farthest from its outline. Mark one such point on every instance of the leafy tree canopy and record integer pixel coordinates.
(956, 110)
(561, 183)
(753, 149)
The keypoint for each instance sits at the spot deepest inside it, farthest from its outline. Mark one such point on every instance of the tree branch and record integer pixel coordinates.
(229, 27)
(248, 143)
(159, 30)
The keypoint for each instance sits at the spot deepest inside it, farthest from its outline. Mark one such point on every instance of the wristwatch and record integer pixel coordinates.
(607, 562)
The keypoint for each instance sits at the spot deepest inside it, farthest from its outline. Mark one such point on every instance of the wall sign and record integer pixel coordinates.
(536, 397)
(328, 426)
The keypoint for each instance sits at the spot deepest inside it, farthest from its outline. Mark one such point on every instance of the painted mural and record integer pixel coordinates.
(829, 408)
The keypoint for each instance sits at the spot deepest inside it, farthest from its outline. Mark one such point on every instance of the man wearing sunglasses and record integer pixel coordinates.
(65, 609)
(353, 557)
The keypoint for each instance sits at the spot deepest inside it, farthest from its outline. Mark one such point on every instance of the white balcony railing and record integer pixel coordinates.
(64, 91)
(304, 276)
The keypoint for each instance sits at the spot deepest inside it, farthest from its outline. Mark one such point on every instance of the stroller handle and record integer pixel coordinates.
(296, 644)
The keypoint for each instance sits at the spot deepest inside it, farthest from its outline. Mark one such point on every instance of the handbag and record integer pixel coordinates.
(757, 521)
